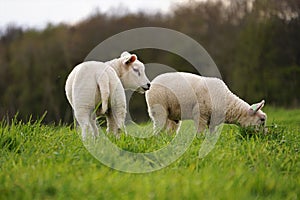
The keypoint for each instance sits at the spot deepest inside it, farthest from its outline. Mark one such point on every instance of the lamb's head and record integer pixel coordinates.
(255, 116)
(132, 73)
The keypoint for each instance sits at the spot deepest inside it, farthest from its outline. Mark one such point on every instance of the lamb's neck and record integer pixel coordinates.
(236, 109)
(114, 64)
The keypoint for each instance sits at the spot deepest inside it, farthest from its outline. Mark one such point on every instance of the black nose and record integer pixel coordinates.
(146, 87)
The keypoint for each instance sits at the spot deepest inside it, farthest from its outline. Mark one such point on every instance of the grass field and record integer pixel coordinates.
(50, 162)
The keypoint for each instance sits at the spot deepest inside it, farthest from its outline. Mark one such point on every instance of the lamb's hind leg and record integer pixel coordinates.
(83, 118)
(93, 122)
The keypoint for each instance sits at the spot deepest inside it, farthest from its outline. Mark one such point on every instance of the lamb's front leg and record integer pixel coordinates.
(201, 126)
(159, 116)
(112, 126)
(199, 121)
(173, 126)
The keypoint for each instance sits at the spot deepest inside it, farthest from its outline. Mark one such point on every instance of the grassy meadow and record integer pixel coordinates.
(40, 161)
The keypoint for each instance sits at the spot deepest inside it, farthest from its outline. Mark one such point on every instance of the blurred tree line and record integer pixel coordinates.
(255, 45)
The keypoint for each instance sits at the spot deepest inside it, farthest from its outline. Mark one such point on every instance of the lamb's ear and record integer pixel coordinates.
(125, 54)
(256, 107)
(129, 59)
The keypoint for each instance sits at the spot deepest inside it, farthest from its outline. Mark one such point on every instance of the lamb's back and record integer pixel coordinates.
(85, 83)
(180, 92)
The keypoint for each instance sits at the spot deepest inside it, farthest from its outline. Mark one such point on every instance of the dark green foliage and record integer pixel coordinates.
(255, 47)
(270, 132)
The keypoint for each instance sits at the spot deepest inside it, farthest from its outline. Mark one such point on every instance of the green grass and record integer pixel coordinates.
(50, 162)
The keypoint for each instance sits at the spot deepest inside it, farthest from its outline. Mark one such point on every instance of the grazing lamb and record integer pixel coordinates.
(93, 83)
(208, 101)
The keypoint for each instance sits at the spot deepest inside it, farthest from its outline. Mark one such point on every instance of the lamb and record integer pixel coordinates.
(93, 83)
(207, 101)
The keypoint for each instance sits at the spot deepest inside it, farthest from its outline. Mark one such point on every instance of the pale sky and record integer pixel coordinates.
(37, 13)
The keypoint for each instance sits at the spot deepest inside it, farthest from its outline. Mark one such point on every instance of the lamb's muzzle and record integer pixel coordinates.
(143, 88)
(146, 87)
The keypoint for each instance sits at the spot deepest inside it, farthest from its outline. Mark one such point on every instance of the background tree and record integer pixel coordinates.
(254, 43)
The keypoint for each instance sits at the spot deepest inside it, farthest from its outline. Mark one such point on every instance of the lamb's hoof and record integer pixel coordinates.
(118, 136)
(156, 132)
(102, 112)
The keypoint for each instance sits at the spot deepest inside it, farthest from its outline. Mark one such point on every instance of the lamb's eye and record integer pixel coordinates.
(137, 71)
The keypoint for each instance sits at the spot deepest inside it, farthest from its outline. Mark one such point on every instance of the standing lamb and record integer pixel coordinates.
(93, 83)
(208, 101)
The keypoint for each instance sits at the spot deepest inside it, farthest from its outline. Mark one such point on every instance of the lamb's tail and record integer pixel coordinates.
(103, 84)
